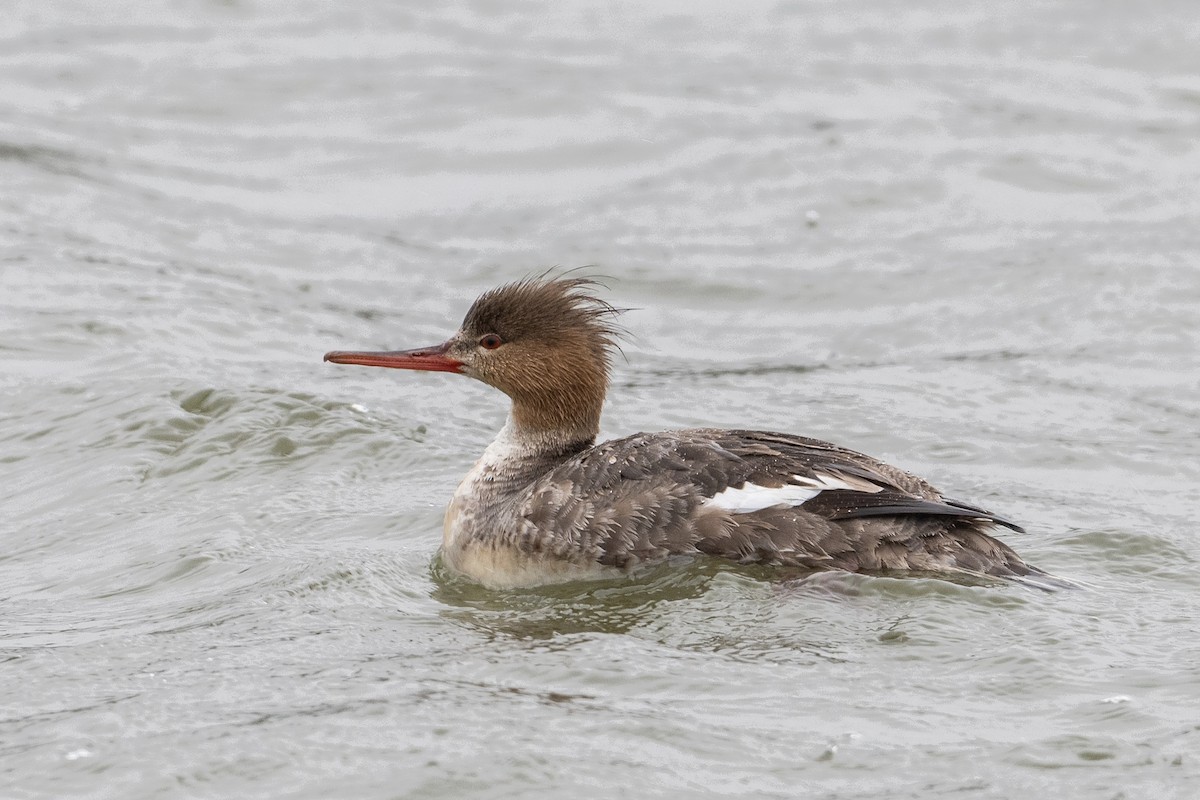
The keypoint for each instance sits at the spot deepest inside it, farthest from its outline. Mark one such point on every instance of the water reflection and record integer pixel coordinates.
(610, 606)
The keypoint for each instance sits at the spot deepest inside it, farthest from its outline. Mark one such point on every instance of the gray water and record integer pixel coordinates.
(960, 236)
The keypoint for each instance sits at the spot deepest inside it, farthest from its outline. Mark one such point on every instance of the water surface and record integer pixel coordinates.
(959, 237)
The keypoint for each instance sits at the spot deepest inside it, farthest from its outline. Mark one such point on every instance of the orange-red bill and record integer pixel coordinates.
(431, 359)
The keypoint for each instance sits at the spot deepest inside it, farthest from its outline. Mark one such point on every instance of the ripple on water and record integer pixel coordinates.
(222, 432)
(216, 577)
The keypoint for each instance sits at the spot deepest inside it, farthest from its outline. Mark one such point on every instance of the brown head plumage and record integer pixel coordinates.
(547, 343)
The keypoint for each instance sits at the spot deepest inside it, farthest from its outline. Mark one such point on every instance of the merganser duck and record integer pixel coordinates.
(546, 504)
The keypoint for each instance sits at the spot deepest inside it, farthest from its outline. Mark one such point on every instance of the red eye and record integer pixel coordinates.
(490, 342)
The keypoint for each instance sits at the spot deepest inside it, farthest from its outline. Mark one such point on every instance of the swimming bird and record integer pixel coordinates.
(546, 504)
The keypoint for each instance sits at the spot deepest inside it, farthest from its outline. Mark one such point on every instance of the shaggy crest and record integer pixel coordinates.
(549, 309)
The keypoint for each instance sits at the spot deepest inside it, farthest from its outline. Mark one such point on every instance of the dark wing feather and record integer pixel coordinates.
(996, 518)
(849, 504)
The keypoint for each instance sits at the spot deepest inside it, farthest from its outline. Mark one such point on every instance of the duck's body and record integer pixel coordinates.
(546, 504)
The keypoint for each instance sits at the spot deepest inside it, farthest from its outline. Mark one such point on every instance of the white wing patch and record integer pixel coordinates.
(751, 497)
